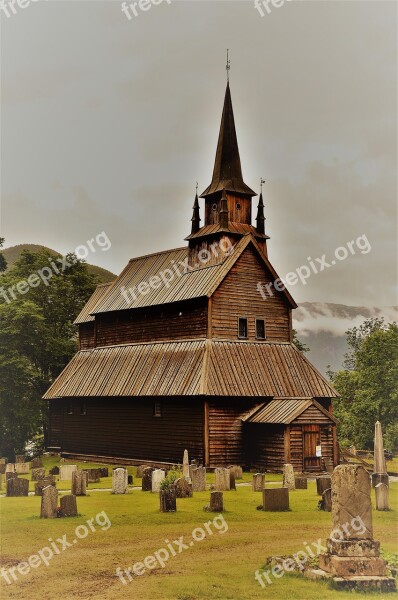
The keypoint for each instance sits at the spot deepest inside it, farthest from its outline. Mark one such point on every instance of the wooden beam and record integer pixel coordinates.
(287, 444)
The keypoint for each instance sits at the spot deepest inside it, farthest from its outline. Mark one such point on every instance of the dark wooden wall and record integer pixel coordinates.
(238, 296)
(87, 335)
(264, 446)
(126, 427)
(225, 430)
(55, 428)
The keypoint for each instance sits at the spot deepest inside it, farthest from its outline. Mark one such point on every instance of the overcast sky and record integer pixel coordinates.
(107, 123)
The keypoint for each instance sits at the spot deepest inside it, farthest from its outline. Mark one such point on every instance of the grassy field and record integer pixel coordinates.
(221, 566)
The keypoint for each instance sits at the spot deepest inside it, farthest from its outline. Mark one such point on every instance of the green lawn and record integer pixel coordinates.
(221, 566)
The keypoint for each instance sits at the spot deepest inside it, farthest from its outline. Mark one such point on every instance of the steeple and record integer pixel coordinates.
(260, 212)
(227, 173)
(196, 214)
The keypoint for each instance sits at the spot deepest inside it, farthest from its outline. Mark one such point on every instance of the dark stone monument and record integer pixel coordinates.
(11, 475)
(17, 487)
(276, 499)
(104, 472)
(326, 502)
(183, 488)
(147, 479)
(232, 484)
(68, 506)
(79, 483)
(129, 479)
(323, 483)
(168, 500)
(54, 471)
(36, 463)
(301, 483)
(140, 470)
(38, 473)
(216, 502)
(93, 475)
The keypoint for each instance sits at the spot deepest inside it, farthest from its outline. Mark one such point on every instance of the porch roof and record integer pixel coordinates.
(284, 411)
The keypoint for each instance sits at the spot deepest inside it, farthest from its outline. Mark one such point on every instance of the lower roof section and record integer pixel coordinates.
(191, 368)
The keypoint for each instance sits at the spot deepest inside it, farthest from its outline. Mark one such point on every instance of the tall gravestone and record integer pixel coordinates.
(157, 477)
(185, 464)
(381, 491)
(288, 477)
(119, 481)
(353, 556)
(79, 483)
(68, 505)
(147, 479)
(198, 477)
(258, 482)
(379, 468)
(222, 479)
(49, 502)
(323, 483)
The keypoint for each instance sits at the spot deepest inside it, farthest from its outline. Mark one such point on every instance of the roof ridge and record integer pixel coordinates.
(158, 253)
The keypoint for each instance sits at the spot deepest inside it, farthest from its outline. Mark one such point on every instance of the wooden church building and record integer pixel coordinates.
(186, 350)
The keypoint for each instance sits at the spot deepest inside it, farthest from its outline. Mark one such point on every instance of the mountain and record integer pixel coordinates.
(14, 252)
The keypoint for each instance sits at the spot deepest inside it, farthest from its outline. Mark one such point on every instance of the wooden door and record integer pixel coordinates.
(311, 439)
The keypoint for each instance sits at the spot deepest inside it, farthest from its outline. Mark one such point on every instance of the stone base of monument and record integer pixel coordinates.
(379, 478)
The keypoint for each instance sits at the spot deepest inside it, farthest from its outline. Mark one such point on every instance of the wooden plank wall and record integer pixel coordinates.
(87, 335)
(126, 427)
(238, 296)
(296, 448)
(169, 322)
(226, 431)
(55, 429)
(264, 446)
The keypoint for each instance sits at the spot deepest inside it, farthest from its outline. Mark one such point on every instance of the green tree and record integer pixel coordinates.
(369, 384)
(3, 262)
(299, 344)
(37, 339)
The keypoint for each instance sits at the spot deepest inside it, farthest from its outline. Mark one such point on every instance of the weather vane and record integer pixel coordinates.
(228, 67)
(197, 185)
(261, 184)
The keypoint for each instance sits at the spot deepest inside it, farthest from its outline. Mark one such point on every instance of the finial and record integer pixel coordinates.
(228, 67)
(261, 184)
(197, 185)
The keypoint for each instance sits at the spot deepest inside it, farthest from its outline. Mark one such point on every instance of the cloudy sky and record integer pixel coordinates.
(108, 122)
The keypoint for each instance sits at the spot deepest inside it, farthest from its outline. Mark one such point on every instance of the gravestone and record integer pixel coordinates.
(20, 458)
(232, 484)
(185, 464)
(237, 471)
(198, 477)
(36, 463)
(168, 499)
(119, 481)
(353, 557)
(130, 479)
(183, 488)
(258, 482)
(140, 470)
(147, 479)
(323, 483)
(38, 473)
(300, 483)
(3, 461)
(3, 469)
(54, 471)
(10, 468)
(93, 475)
(276, 499)
(79, 483)
(288, 477)
(17, 487)
(39, 485)
(11, 475)
(222, 482)
(104, 472)
(216, 502)
(22, 468)
(157, 477)
(328, 462)
(68, 506)
(326, 502)
(379, 474)
(381, 491)
(65, 472)
(49, 503)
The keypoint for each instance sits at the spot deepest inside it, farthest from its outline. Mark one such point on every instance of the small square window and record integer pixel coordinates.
(242, 328)
(260, 329)
(83, 408)
(157, 409)
(69, 409)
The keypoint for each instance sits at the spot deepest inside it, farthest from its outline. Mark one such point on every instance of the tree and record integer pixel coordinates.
(3, 262)
(299, 344)
(369, 384)
(37, 339)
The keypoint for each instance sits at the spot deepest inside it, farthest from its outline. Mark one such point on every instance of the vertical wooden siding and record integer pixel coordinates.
(264, 446)
(87, 335)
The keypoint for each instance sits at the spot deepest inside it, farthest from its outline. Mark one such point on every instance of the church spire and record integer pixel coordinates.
(227, 173)
(196, 214)
(260, 211)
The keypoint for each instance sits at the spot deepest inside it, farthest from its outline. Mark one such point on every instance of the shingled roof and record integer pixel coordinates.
(191, 368)
(85, 315)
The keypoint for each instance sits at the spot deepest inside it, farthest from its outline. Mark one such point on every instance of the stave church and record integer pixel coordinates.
(183, 351)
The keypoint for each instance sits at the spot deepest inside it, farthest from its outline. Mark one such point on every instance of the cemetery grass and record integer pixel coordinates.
(221, 567)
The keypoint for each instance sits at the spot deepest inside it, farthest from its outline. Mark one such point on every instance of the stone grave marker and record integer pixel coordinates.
(352, 556)
(39, 485)
(65, 472)
(258, 482)
(326, 502)
(232, 484)
(216, 502)
(54, 471)
(147, 479)
(222, 482)
(20, 458)
(17, 487)
(198, 477)
(300, 483)
(3, 469)
(119, 481)
(237, 471)
(36, 463)
(10, 468)
(168, 499)
(379, 474)
(104, 472)
(183, 488)
(49, 503)
(323, 483)
(93, 475)
(276, 499)
(288, 477)
(38, 473)
(79, 483)
(185, 464)
(22, 468)
(68, 505)
(157, 477)
(140, 470)
(381, 491)
(130, 480)
(11, 475)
